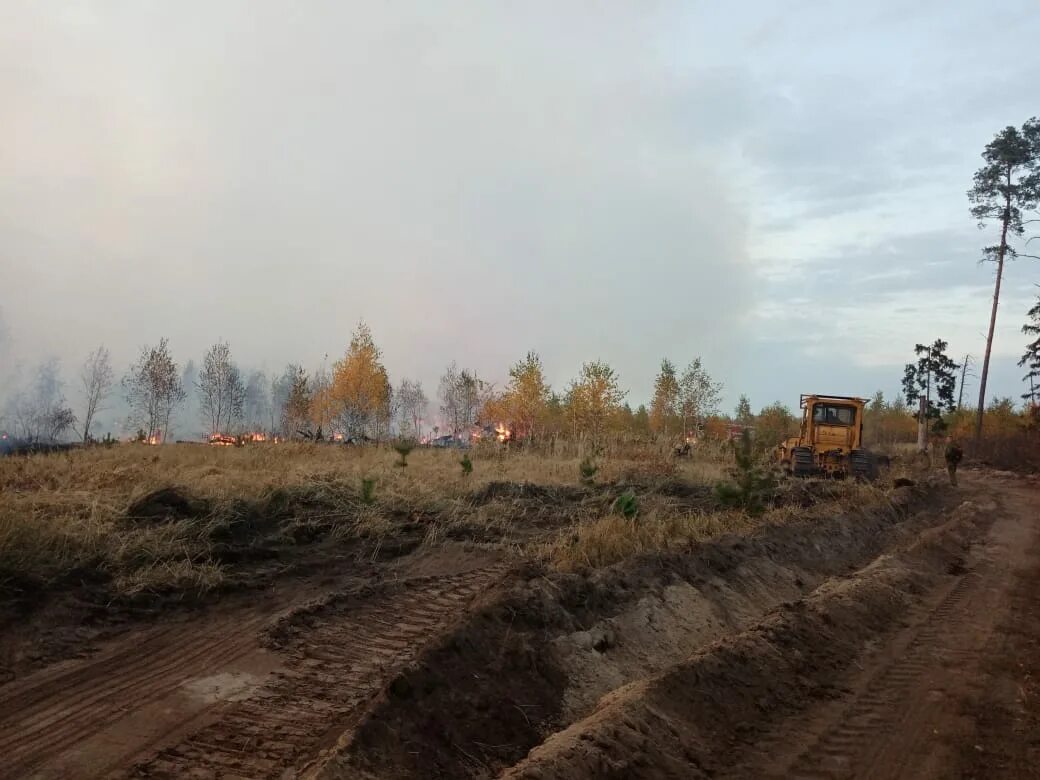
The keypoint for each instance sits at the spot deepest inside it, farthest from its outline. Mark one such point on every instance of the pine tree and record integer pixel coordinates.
(743, 411)
(1007, 185)
(933, 374)
(750, 486)
(1031, 358)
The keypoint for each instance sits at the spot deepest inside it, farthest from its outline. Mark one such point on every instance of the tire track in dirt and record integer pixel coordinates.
(73, 706)
(839, 750)
(27, 691)
(901, 716)
(336, 668)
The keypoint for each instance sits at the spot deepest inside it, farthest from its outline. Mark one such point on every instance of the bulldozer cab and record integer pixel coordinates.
(832, 422)
(830, 441)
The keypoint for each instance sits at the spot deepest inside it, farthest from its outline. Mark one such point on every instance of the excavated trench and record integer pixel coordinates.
(555, 654)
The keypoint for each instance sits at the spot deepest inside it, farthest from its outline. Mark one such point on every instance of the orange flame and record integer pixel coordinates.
(502, 433)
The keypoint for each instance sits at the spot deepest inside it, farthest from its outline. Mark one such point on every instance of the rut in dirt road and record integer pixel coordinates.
(336, 667)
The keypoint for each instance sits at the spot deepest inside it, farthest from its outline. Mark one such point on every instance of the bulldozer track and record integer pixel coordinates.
(839, 751)
(67, 706)
(917, 704)
(335, 669)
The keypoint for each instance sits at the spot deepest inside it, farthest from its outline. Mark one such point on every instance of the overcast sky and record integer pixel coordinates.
(781, 191)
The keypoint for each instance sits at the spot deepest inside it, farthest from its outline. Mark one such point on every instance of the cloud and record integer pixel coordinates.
(477, 181)
(474, 185)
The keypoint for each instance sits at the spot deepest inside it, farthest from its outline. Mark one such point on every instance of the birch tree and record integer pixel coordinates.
(699, 395)
(153, 390)
(665, 402)
(361, 388)
(97, 378)
(594, 398)
(39, 412)
(462, 395)
(411, 405)
(221, 390)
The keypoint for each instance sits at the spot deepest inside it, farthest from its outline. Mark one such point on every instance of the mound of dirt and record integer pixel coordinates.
(542, 655)
(692, 720)
(166, 504)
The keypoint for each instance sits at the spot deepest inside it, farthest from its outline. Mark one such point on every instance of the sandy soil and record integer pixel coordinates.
(902, 643)
(921, 665)
(925, 701)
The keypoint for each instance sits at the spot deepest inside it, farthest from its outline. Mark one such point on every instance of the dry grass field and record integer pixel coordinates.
(185, 586)
(137, 520)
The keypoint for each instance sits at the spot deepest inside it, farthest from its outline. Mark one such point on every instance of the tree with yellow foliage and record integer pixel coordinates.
(524, 403)
(321, 411)
(593, 399)
(664, 406)
(360, 391)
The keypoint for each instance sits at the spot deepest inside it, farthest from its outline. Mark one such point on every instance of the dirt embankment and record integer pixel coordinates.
(692, 720)
(526, 665)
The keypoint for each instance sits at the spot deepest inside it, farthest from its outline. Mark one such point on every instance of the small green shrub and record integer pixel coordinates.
(403, 447)
(467, 465)
(627, 505)
(750, 487)
(368, 491)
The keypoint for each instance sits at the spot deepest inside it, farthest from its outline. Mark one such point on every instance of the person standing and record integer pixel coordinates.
(954, 455)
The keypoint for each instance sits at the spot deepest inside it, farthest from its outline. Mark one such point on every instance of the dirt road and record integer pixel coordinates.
(242, 693)
(953, 694)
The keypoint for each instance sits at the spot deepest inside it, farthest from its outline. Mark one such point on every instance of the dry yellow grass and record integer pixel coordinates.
(66, 513)
(612, 538)
(62, 513)
(609, 539)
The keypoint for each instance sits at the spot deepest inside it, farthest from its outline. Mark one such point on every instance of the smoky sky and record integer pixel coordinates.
(616, 181)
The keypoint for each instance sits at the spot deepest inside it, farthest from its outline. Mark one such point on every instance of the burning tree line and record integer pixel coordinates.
(355, 400)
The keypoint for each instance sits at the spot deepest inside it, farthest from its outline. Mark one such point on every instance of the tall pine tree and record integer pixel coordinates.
(1005, 186)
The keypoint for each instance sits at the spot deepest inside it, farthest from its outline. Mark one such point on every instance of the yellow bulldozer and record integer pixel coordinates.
(830, 442)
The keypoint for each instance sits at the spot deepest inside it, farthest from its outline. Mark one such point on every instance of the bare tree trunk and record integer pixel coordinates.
(922, 427)
(993, 314)
(87, 420)
(964, 373)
